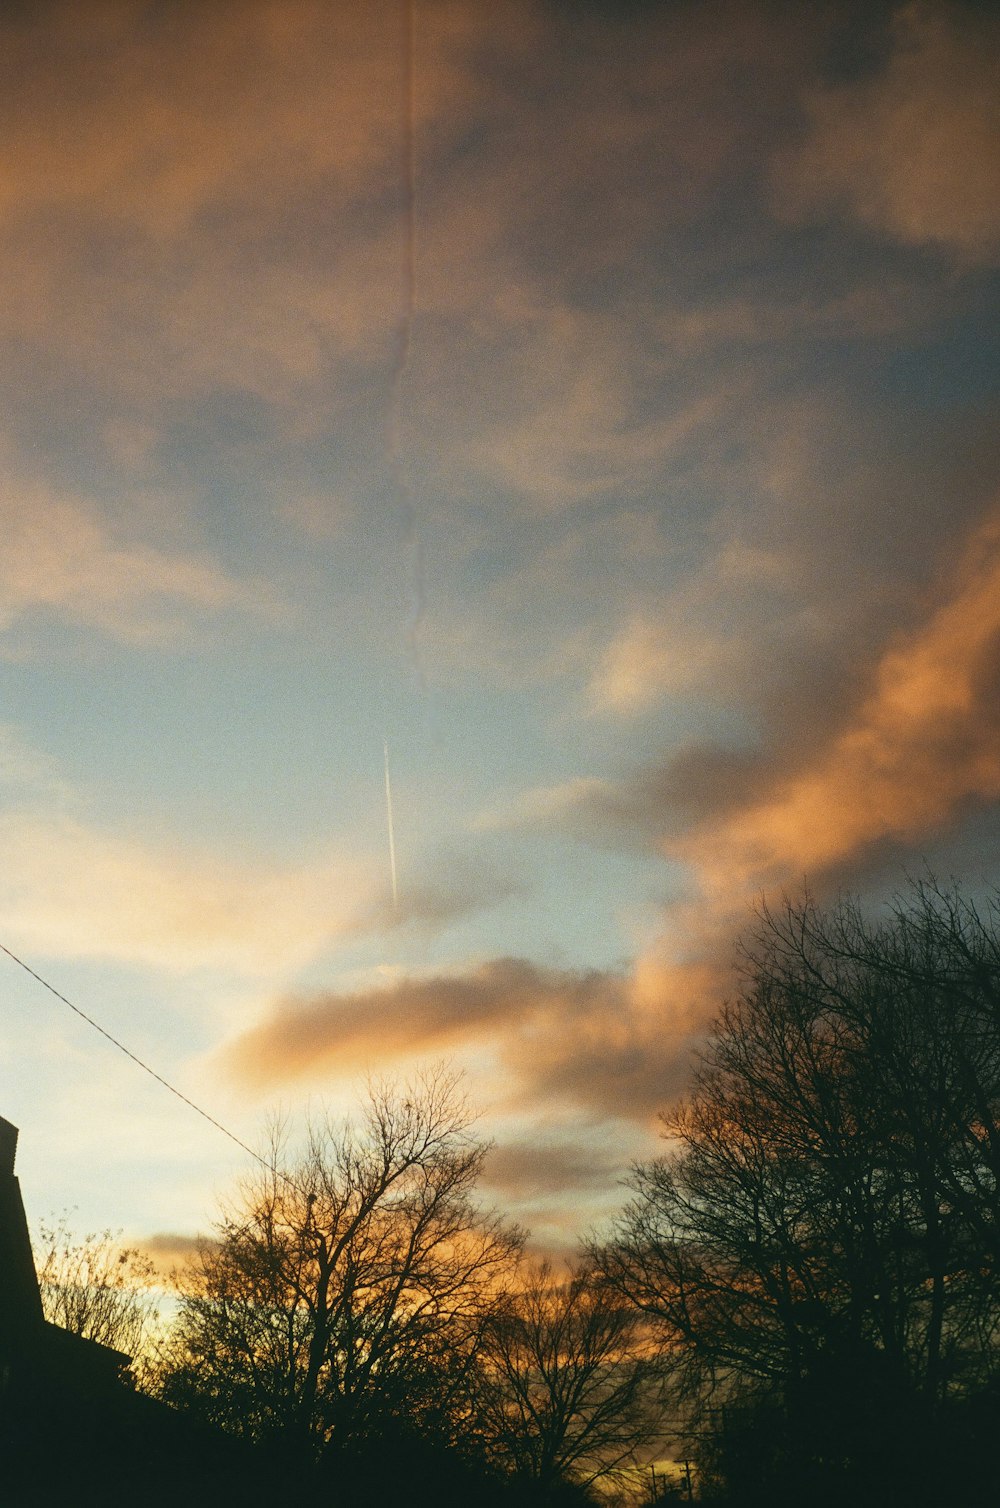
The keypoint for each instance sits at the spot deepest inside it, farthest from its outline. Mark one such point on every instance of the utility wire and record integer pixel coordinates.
(144, 1066)
(409, 156)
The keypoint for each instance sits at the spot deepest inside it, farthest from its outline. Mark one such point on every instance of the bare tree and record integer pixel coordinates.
(566, 1382)
(96, 1287)
(347, 1283)
(822, 1237)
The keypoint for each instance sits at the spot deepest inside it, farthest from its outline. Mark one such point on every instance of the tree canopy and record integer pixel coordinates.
(347, 1281)
(95, 1286)
(818, 1247)
(566, 1387)
(803, 1290)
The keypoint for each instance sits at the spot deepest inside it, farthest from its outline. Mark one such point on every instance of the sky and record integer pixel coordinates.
(591, 407)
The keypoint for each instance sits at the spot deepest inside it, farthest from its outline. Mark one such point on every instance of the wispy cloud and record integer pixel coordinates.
(920, 745)
(581, 436)
(29, 776)
(539, 1168)
(546, 805)
(69, 889)
(647, 660)
(347, 1031)
(654, 455)
(445, 888)
(913, 151)
(168, 1253)
(577, 1038)
(918, 749)
(61, 557)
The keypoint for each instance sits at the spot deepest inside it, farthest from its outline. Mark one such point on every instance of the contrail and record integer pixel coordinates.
(392, 830)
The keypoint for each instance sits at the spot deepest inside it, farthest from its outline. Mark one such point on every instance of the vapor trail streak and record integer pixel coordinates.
(391, 825)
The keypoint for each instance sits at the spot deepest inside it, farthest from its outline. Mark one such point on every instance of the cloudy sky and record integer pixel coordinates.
(593, 404)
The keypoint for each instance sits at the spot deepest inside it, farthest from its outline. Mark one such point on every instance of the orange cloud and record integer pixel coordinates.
(168, 1252)
(554, 1185)
(200, 201)
(903, 765)
(344, 1032)
(539, 1168)
(915, 151)
(923, 743)
(575, 1038)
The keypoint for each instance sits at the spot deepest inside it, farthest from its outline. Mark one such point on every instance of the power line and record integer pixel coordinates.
(139, 1062)
(409, 160)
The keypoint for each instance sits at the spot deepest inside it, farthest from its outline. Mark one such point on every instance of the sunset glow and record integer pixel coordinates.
(645, 523)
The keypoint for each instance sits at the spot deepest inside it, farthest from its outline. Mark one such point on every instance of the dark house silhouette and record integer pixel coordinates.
(73, 1430)
(34, 1353)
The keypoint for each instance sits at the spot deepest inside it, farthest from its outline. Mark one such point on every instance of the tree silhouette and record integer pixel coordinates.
(566, 1388)
(343, 1296)
(96, 1287)
(818, 1249)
